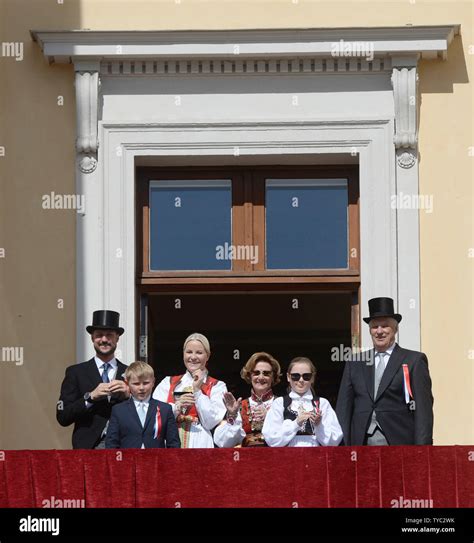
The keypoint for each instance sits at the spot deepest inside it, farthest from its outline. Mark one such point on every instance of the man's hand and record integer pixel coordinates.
(119, 389)
(100, 391)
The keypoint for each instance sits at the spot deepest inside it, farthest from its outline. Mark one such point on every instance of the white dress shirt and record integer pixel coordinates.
(280, 432)
(111, 372)
(138, 403)
(211, 410)
(146, 403)
(388, 354)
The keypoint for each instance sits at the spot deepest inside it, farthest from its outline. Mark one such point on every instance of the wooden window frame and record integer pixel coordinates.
(248, 226)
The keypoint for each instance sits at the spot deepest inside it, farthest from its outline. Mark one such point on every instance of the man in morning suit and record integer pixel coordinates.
(90, 389)
(386, 399)
(142, 422)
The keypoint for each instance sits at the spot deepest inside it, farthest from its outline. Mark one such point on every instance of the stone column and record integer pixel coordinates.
(404, 82)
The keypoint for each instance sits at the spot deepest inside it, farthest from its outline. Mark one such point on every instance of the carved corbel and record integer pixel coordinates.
(404, 83)
(87, 85)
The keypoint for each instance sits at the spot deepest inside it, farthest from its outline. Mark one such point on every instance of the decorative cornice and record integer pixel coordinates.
(66, 46)
(241, 66)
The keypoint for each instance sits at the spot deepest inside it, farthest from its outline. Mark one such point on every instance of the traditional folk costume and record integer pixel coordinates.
(195, 423)
(245, 430)
(281, 429)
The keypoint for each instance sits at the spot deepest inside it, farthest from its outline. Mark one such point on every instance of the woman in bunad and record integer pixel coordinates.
(301, 419)
(196, 397)
(244, 419)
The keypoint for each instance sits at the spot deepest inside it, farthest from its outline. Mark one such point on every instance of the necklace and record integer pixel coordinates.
(268, 395)
(256, 423)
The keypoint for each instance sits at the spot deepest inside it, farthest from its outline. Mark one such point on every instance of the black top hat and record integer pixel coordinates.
(382, 307)
(105, 320)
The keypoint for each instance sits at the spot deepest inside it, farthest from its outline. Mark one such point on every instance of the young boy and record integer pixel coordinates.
(141, 422)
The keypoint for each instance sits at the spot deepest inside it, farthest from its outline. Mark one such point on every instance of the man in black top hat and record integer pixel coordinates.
(385, 396)
(91, 389)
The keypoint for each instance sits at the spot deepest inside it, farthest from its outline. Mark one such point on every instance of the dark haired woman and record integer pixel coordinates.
(301, 419)
(244, 420)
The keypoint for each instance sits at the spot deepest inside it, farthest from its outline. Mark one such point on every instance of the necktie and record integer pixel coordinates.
(105, 374)
(379, 369)
(142, 412)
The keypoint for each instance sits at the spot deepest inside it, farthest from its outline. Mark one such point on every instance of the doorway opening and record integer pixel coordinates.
(286, 325)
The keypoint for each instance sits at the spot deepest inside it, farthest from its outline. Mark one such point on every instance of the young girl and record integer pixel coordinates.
(301, 419)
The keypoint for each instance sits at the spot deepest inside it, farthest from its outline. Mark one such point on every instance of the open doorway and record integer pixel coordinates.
(257, 258)
(238, 324)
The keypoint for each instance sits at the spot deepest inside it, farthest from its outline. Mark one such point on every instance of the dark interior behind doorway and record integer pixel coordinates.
(237, 325)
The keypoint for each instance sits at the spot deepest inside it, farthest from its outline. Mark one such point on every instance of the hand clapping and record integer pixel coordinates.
(232, 405)
(313, 416)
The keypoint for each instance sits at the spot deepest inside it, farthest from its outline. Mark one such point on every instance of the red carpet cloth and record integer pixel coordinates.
(280, 477)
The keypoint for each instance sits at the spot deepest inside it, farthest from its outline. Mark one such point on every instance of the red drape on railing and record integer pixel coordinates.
(280, 477)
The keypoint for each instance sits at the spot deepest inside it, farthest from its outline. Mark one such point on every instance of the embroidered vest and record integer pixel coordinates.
(245, 413)
(292, 415)
(254, 437)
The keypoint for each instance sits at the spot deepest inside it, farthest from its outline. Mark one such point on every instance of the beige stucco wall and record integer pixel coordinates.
(38, 135)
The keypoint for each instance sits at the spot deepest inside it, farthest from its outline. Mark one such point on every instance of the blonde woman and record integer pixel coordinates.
(301, 419)
(196, 398)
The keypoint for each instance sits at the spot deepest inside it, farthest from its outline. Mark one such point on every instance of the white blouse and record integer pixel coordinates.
(279, 432)
(231, 435)
(211, 410)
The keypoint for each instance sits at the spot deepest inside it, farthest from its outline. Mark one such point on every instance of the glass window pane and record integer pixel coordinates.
(306, 223)
(189, 222)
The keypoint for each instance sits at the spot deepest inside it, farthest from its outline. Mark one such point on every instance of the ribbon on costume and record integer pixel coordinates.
(406, 383)
(157, 427)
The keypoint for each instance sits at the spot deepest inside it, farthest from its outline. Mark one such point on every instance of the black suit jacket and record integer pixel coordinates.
(89, 423)
(402, 423)
(125, 430)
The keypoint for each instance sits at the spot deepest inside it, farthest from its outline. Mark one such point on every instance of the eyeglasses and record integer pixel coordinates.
(298, 376)
(265, 373)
